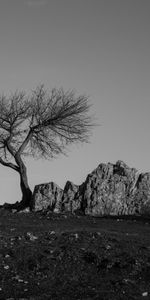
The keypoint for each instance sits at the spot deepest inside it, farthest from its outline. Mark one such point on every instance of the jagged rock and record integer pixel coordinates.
(71, 199)
(111, 189)
(47, 196)
(142, 194)
(116, 190)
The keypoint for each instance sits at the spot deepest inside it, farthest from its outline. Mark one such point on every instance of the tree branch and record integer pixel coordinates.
(25, 142)
(48, 122)
(8, 164)
(9, 147)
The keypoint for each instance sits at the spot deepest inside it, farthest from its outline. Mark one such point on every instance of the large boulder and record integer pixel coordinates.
(47, 196)
(71, 199)
(109, 190)
(142, 194)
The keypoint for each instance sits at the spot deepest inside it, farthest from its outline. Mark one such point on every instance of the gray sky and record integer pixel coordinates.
(97, 47)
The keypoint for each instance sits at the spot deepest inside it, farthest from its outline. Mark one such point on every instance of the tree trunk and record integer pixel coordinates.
(25, 189)
(21, 169)
(26, 192)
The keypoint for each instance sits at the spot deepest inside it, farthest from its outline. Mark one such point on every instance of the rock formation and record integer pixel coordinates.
(71, 200)
(111, 189)
(47, 196)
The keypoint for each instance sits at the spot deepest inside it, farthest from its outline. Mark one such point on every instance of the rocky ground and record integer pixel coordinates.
(59, 256)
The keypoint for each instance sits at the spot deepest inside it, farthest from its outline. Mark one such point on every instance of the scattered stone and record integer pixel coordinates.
(76, 235)
(31, 236)
(145, 294)
(6, 267)
(20, 280)
(108, 247)
(26, 210)
(52, 232)
(12, 229)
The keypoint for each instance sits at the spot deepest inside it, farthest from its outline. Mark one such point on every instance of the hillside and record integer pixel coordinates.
(61, 256)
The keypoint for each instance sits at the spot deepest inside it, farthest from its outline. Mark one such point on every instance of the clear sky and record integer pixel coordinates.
(97, 47)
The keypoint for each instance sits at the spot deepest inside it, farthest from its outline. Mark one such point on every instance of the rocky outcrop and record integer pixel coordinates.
(47, 196)
(71, 199)
(142, 193)
(111, 189)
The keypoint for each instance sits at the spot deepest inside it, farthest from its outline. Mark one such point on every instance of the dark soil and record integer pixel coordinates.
(50, 256)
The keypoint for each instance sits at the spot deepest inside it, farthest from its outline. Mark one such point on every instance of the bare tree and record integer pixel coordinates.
(40, 125)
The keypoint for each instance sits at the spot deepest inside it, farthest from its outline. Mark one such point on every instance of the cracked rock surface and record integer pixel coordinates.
(111, 189)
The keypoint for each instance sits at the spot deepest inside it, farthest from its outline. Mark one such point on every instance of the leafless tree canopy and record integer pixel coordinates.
(42, 124)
